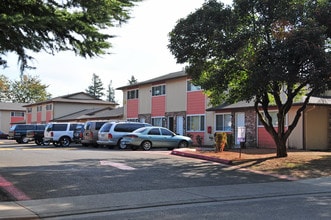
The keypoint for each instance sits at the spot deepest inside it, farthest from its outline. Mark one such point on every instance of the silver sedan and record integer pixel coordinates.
(148, 137)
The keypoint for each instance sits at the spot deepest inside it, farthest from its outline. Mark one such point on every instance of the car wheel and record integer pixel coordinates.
(38, 142)
(122, 146)
(183, 144)
(64, 141)
(146, 145)
(19, 141)
(25, 140)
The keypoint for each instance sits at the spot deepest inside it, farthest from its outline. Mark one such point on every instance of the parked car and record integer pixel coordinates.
(111, 133)
(78, 134)
(18, 132)
(90, 134)
(60, 134)
(3, 135)
(149, 137)
(37, 135)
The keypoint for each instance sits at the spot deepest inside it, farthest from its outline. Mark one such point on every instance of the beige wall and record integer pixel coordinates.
(316, 128)
(296, 138)
(5, 121)
(145, 95)
(61, 109)
(176, 95)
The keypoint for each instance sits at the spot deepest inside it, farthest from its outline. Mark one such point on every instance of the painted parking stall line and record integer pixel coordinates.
(120, 166)
(12, 190)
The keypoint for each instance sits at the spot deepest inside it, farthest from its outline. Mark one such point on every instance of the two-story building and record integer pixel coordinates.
(73, 107)
(11, 113)
(174, 102)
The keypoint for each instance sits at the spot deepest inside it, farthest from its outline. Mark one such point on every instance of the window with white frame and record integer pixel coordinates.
(195, 123)
(158, 121)
(192, 87)
(158, 90)
(223, 122)
(29, 109)
(49, 107)
(274, 117)
(133, 94)
(17, 114)
(39, 108)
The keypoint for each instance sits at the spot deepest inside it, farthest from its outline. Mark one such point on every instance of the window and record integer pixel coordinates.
(196, 123)
(49, 107)
(154, 131)
(274, 119)
(133, 94)
(39, 108)
(29, 110)
(17, 114)
(192, 87)
(223, 122)
(133, 119)
(158, 90)
(158, 121)
(166, 132)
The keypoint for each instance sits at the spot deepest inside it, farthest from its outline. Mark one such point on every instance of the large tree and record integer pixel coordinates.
(28, 89)
(270, 52)
(96, 88)
(81, 26)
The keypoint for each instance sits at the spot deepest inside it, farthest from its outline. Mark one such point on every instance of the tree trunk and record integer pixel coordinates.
(281, 147)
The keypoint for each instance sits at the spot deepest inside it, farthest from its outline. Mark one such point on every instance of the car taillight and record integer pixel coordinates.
(52, 134)
(81, 135)
(110, 136)
(91, 134)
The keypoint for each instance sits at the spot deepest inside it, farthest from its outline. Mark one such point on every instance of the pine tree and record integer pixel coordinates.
(96, 88)
(110, 92)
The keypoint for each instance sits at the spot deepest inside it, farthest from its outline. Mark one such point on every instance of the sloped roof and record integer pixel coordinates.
(8, 106)
(80, 97)
(244, 104)
(173, 75)
(96, 113)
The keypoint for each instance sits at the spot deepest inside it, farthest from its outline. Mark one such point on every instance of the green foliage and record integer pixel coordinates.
(52, 26)
(28, 89)
(269, 52)
(96, 88)
(133, 80)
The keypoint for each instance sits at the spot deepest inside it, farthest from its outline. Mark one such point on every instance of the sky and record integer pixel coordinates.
(139, 50)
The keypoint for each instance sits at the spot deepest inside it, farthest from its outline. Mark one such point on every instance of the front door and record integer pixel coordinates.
(180, 125)
(240, 128)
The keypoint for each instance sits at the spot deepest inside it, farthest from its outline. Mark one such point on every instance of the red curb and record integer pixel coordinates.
(198, 156)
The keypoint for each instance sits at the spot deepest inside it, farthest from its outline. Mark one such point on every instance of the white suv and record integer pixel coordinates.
(111, 133)
(60, 134)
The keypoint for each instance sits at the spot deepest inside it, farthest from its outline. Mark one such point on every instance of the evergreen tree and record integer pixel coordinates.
(96, 88)
(53, 26)
(110, 92)
(133, 80)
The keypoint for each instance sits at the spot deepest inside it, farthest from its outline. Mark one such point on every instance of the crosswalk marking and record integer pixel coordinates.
(120, 166)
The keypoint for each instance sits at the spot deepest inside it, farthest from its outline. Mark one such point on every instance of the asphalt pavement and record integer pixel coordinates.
(79, 205)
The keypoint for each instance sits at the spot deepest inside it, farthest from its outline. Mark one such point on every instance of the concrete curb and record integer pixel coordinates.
(202, 157)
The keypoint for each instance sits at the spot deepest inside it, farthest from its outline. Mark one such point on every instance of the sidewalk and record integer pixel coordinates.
(36, 209)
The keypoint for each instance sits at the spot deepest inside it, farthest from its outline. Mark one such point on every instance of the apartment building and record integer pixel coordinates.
(11, 113)
(174, 102)
(73, 107)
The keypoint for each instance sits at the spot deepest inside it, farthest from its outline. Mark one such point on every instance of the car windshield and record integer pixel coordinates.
(140, 130)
